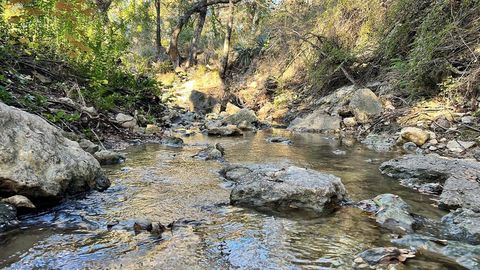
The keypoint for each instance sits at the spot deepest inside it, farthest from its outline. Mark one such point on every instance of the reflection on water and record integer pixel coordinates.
(165, 184)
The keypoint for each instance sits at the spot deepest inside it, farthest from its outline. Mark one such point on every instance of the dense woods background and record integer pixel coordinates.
(126, 53)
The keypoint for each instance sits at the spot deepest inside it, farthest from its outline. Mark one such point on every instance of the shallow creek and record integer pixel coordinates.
(164, 184)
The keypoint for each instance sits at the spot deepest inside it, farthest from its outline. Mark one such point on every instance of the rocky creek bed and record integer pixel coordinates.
(174, 186)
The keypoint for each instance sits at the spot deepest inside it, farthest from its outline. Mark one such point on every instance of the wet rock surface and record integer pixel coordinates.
(462, 254)
(457, 176)
(37, 161)
(462, 225)
(277, 188)
(390, 212)
(8, 217)
(281, 140)
(108, 157)
(382, 256)
(19, 201)
(211, 152)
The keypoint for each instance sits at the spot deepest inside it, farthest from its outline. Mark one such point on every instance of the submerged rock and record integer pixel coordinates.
(278, 188)
(212, 152)
(8, 217)
(107, 157)
(463, 225)
(37, 161)
(465, 255)
(379, 142)
(19, 201)
(419, 170)
(390, 212)
(172, 141)
(279, 140)
(383, 256)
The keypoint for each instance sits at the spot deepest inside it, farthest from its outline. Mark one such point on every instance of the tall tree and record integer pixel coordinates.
(196, 36)
(226, 51)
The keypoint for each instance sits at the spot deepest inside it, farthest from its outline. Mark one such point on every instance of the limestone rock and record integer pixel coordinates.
(38, 162)
(458, 177)
(350, 121)
(459, 146)
(462, 225)
(390, 212)
(211, 152)
(317, 121)
(232, 109)
(107, 157)
(127, 121)
(415, 135)
(229, 130)
(19, 201)
(88, 146)
(279, 188)
(365, 105)
(243, 115)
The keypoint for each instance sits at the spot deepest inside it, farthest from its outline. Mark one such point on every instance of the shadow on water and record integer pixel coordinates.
(165, 184)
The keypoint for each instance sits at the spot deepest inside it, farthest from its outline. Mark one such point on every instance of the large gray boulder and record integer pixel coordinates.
(365, 105)
(37, 161)
(317, 121)
(283, 188)
(458, 177)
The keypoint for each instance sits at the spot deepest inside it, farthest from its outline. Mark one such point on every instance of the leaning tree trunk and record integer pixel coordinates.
(224, 60)
(196, 37)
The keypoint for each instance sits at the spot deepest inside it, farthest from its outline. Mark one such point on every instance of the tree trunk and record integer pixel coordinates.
(158, 40)
(226, 52)
(227, 41)
(182, 20)
(196, 37)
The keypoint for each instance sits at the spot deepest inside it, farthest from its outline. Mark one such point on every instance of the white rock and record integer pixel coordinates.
(459, 146)
(350, 121)
(468, 119)
(127, 121)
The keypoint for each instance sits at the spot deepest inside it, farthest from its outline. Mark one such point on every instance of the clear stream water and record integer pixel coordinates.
(164, 184)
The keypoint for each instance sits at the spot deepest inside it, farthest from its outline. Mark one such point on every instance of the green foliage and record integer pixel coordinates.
(5, 96)
(62, 116)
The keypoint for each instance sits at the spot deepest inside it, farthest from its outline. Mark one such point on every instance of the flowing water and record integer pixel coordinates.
(164, 184)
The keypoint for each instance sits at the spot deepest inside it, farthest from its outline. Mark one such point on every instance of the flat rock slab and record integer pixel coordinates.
(462, 254)
(459, 178)
(284, 188)
(317, 121)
